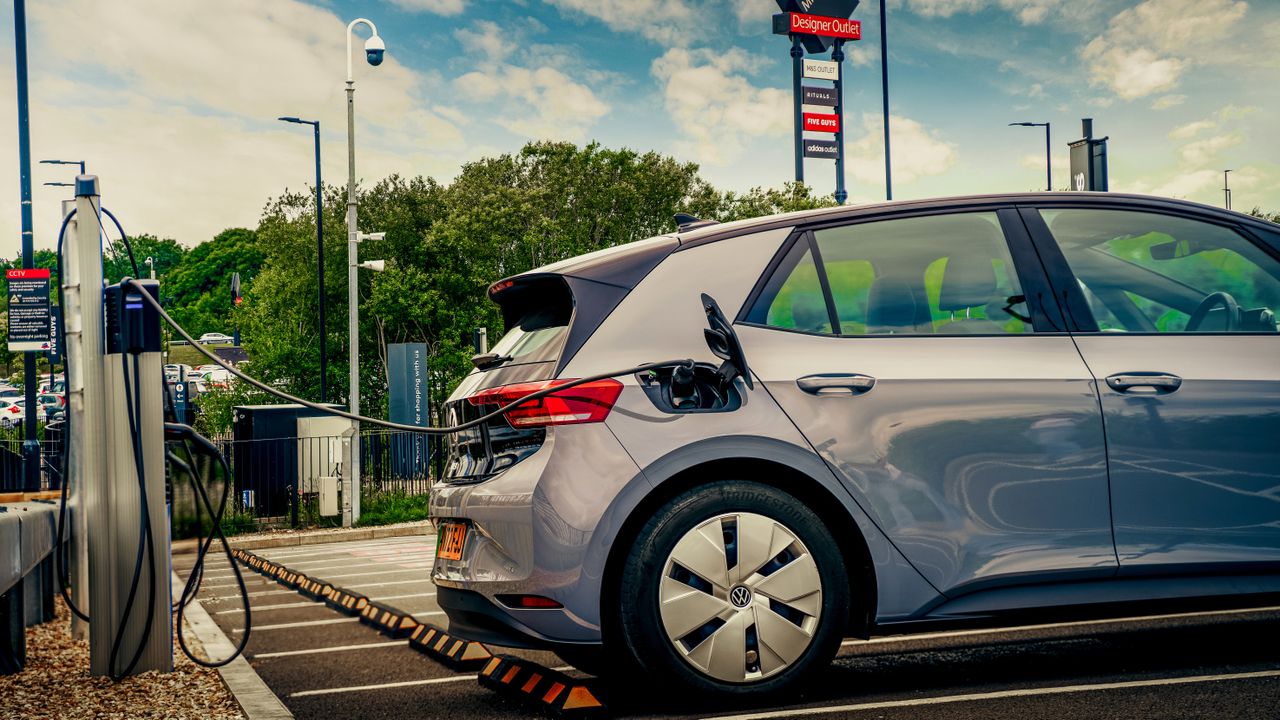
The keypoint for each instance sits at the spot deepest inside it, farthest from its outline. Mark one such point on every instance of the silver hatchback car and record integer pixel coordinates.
(966, 410)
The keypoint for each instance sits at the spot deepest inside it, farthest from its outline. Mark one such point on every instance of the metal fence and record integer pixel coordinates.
(12, 477)
(296, 481)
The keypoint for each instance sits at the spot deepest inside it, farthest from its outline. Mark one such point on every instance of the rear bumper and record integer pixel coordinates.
(473, 616)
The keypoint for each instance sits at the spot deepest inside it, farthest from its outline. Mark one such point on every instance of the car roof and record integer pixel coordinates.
(624, 264)
(711, 233)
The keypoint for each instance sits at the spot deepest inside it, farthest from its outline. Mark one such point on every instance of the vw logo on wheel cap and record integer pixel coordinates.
(740, 596)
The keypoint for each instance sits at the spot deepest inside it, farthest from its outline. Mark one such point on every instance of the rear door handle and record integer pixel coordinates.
(836, 384)
(1161, 382)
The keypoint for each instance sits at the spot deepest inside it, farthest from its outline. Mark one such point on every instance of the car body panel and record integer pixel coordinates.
(1194, 480)
(981, 458)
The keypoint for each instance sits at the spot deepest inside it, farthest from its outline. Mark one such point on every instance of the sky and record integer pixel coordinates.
(173, 102)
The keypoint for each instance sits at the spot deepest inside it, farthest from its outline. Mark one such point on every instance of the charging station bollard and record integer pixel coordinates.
(113, 332)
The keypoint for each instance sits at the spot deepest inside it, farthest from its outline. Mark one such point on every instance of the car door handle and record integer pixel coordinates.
(836, 384)
(1161, 382)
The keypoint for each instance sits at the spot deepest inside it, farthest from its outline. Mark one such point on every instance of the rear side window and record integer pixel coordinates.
(935, 275)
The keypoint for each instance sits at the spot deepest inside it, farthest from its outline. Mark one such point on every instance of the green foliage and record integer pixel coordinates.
(1268, 216)
(166, 254)
(216, 416)
(392, 507)
(197, 290)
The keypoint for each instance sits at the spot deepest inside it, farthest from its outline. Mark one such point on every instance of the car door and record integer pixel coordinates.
(932, 372)
(1176, 319)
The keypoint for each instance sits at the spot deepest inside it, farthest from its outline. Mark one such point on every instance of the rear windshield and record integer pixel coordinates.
(537, 318)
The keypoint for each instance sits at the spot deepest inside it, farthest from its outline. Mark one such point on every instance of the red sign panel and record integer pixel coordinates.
(28, 274)
(802, 24)
(816, 122)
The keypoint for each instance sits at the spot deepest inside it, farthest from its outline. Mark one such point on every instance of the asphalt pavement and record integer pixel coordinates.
(1217, 663)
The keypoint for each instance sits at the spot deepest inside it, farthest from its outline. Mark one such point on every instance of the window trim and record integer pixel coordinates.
(1059, 273)
(1027, 268)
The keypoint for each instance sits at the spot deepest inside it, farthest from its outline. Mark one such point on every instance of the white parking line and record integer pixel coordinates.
(398, 597)
(334, 621)
(383, 686)
(341, 548)
(332, 577)
(999, 695)
(405, 683)
(1050, 626)
(382, 584)
(262, 608)
(338, 648)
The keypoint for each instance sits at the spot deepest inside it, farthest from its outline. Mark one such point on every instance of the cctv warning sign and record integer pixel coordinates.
(28, 298)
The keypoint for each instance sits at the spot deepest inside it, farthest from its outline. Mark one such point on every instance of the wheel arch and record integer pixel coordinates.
(672, 476)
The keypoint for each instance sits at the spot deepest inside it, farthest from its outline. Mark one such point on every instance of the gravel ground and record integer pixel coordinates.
(56, 684)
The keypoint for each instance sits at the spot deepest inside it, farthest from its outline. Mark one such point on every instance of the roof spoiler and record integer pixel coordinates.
(686, 222)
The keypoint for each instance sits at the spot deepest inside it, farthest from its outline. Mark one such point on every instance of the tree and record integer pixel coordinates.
(166, 254)
(1268, 216)
(197, 289)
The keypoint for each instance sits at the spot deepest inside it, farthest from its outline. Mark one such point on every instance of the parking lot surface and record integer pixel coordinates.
(1211, 663)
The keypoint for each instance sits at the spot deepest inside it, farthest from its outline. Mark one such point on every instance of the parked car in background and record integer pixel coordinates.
(12, 412)
(9, 391)
(984, 410)
(216, 339)
(173, 372)
(49, 402)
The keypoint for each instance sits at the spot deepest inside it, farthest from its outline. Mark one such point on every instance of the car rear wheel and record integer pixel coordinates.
(733, 589)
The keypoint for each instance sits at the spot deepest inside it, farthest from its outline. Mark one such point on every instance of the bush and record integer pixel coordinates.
(392, 507)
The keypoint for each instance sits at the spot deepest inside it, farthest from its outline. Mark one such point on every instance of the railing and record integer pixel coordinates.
(12, 477)
(27, 577)
(283, 482)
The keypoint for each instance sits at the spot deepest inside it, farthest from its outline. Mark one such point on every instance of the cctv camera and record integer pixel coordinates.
(374, 50)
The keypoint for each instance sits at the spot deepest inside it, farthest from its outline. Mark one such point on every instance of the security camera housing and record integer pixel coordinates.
(374, 50)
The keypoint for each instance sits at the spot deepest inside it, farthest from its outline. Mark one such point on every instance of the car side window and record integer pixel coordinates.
(1152, 273)
(940, 274)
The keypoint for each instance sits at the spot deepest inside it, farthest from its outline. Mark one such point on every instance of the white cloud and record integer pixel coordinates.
(1202, 151)
(668, 22)
(493, 43)
(1165, 102)
(1146, 48)
(439, 7)
(548, 103)
(713, 104)
(917, 150)
(1132, 72)
(1035, 161)
(174, 105)
(1191, 129)
(1029, 12)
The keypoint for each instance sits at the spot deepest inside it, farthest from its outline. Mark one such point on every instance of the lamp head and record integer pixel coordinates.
(374, 50)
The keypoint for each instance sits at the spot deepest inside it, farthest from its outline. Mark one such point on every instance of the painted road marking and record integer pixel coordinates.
(333, 621)
(334, 549)
(1050, 626)
(383, 686)
(337, 648)
(381, 598)
(262, 608)
(330, 577)
(405, 683)
(1001, 694)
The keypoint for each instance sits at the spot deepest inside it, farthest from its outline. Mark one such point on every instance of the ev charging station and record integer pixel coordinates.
(106, 493)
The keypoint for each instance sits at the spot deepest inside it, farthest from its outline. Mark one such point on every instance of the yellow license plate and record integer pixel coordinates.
(452, 537)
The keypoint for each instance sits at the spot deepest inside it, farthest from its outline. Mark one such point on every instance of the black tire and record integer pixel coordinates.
(639, 639)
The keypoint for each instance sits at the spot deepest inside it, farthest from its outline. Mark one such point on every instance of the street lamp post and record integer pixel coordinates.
(1048, 151)
(1226, 189)
(374, 50)
(324, 362)
(79, 163)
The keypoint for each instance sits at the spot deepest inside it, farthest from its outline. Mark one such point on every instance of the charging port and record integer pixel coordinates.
(696, 388)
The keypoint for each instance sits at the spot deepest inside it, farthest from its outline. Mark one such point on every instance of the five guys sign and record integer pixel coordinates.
(814, 26)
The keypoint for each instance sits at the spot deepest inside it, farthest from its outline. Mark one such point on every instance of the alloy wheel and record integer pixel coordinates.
(740, 597)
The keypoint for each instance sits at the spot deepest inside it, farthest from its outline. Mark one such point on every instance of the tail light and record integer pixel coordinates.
(15, 409)
(586, 403)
